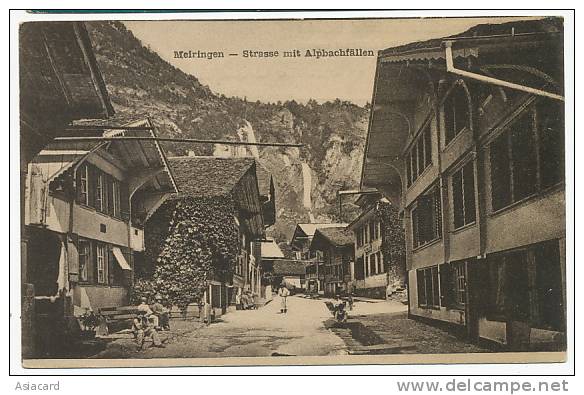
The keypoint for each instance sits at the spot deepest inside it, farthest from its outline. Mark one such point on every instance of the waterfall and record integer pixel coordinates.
(307, 183)
(245, 134)
(249, 134)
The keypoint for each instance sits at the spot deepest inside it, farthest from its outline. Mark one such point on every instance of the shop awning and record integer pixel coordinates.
(121, 259)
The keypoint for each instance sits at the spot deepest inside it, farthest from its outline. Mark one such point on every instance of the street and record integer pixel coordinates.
(305, 330)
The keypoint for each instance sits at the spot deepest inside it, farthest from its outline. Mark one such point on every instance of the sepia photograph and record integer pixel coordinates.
(317, 191)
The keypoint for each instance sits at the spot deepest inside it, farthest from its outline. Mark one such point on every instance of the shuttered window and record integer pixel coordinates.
(102, 263)
(420, 155)
(528, 156)
(427, 218)
(83, 184)
(463, 196)
(84, 260)
(428, 287)
(456, 113)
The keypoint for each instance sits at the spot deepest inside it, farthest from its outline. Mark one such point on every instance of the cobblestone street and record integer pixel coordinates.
(306, 330)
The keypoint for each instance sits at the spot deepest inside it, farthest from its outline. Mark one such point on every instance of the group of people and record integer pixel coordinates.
(245, 301)
(150, 320)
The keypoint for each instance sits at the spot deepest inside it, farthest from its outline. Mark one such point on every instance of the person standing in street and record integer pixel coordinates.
(283, 293)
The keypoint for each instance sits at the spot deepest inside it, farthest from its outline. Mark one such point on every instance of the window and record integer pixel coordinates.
(463, 196)
(84, 260)
(509, 288)
(100, 188)
(518, 170)
(83, 185)
(427, 218)
(420, 155)
(116, 198)
(526, 284)
(453, 285)
(456, 113)
(102, 263)
(428, 287)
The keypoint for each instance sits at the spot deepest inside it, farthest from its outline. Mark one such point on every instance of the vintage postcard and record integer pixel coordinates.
(380, 190)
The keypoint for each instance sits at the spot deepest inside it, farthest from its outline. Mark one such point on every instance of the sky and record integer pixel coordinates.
(301, 78)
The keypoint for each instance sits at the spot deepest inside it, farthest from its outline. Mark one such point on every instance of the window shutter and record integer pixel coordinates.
(78, 189)
(421, 282)
(458, 199)
(124, 201)
(110, 194)
(91, 185)
(447, 285)
(469, 193)
(437, 211)
(73, 258)
(425, 218)
(92, 263)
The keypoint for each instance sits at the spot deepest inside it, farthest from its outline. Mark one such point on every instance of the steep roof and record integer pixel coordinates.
(338, 236)
(289, 268)
(310, 228)
(208, 176)
(483, 32)
(270, 249)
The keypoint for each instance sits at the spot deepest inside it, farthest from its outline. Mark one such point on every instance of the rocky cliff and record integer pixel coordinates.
(141, 84)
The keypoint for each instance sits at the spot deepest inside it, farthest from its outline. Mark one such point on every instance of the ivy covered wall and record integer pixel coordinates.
(188, 241)
(393, 245)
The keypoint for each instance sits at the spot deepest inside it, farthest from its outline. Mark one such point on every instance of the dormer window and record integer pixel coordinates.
(456, 114)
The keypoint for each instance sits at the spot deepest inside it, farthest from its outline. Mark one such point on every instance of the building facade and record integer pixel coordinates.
(467, 137)
(59, 82)
(300, 243)
(202, 181)
(379, 269)
(85, 206)
(334, 247)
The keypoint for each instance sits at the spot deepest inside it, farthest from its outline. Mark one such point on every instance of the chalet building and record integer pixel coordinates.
(466, 136)
(213, 178)
(334, 248)
(59, 82)
(379, 268)
(300, 243)
(85, 207)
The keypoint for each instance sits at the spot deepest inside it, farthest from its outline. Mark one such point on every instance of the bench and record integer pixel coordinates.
(118, 318)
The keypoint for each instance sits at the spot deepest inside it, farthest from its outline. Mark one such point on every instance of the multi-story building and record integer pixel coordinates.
(85, 206)
(335, 251)
(234, 180)
(300, 243)
(60, 81)
(466, 135)
(379, 268)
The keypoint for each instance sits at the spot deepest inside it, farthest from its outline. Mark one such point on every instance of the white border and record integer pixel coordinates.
(532, 369)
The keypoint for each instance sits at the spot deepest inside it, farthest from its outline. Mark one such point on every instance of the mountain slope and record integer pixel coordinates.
(141, 84)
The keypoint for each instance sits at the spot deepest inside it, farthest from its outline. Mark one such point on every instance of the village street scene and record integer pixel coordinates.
(166, 214)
